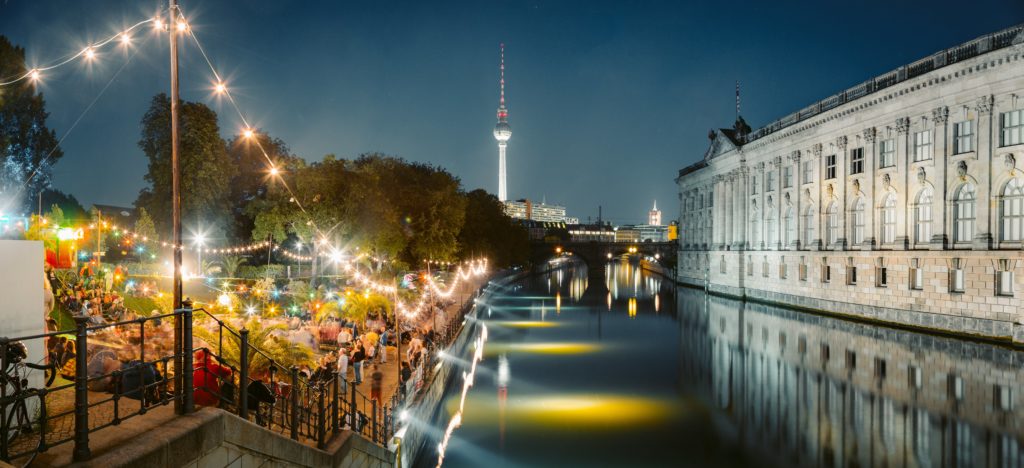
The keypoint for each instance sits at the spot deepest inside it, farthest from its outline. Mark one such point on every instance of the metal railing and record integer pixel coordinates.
(33, 420)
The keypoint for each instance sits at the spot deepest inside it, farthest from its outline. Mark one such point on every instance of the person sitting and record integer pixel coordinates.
(258, 393)
(138, 380)
(205, 378)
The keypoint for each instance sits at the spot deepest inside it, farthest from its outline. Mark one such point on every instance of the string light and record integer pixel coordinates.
(89, 53)
(220, 88)
(158, 24)
(467, 383)
(126, 38)
(34, 74)
(247, 132)
(182, 27)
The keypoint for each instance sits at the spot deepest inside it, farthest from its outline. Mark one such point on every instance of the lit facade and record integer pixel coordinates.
(502, 133)
(900, 199)
(525, 209)
(654, 216)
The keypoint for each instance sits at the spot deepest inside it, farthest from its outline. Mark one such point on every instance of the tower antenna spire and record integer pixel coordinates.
(502, 131)
(737, 99)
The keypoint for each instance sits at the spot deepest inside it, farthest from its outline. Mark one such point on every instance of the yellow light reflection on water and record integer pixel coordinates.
(523, 324)
(542, 348)
(586, 412)
(632, 307)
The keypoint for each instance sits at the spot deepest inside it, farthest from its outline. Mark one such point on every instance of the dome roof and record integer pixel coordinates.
(502, 131)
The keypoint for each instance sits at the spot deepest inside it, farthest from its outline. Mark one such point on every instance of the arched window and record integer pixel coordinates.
(1011, 212)
(808, 220)
(789, 221)
(831, 223)
(755, 228)
(857, 219)
(889, 219)
(923, 216)
(769, 224)
(963, 213)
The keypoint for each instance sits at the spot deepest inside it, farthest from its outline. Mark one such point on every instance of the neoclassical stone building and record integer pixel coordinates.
(899, 200)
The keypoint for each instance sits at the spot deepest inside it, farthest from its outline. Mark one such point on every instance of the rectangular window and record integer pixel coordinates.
(808, 172)
(851, 272)
(1004, 278)
(753, 185)
(722, 267)
(787, 176)
(956, 281)
(887, 153)
(769, 182)
(826, 271)
(881, 277)
(1012, 128)
(923, 145)
(782, 268)
(857, 161)
(830, 166)
(963, 137)
(916, 274)
(750, 265)
(803, 269)
(764, 267)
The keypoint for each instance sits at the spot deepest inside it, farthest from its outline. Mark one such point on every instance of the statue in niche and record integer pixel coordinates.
(961, 170)
(856, 186)
(886, 181)
(920, 175)
(787, 199)
(1010, 162)
(829, 190)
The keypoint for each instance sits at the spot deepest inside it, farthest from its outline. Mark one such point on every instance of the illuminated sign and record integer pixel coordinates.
(65, 234)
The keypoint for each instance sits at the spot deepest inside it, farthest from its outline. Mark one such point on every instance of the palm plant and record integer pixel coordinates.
(263, 337)
(231, 264)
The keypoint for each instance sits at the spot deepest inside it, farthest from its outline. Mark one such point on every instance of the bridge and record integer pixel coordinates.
(596, 253)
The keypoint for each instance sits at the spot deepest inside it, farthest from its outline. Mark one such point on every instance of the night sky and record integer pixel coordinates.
(607, 100)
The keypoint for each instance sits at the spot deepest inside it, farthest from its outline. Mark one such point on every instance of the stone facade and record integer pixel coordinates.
(899, 200)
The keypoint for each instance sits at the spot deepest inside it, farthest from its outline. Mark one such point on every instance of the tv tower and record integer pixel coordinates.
(502, 132)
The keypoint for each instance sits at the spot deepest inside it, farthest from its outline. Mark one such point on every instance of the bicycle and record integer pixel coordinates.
(15, 392)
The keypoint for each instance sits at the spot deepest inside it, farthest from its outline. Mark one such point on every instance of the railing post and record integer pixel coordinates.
(81, 451)
(353, 409)
(373, 405)
(187, 390)
(334, 403)
(243, 379)
(294, 396)
(320, 419)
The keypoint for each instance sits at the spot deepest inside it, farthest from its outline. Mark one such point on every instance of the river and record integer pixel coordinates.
(623, 368)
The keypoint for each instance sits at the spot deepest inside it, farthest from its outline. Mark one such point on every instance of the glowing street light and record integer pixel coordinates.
(125, 38)
(220, 88)
(89, 53)
(158, 24)
(248, 133)
(34, 74)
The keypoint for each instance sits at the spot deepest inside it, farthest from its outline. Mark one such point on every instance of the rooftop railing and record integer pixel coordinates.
(970, 49)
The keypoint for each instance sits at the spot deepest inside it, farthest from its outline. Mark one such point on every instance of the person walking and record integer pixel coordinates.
(343, 368)
(376, 384)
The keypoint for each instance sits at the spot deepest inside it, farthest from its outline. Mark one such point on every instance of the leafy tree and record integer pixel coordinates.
(490, 232)
(73, 210)
(359, 306)
(144, 225)
(206, 169)
(253, 182)
(28, 149)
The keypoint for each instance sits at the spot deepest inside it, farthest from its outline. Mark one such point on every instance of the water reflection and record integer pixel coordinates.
(817, 391)
(616, 367)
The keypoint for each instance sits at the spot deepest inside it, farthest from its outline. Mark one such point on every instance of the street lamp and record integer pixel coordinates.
(199, 241)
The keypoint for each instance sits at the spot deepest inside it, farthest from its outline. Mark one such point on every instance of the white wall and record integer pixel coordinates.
(21, 287)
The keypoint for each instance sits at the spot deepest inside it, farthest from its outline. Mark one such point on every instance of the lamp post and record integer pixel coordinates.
(179, 323)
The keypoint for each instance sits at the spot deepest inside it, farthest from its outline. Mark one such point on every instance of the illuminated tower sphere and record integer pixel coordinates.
(502, 132)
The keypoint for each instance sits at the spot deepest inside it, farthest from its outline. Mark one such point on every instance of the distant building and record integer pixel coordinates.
(591, 233)
(525, 209)
(654, 216)
(627, 234)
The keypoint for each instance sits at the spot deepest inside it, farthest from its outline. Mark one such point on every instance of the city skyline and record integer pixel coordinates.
(442, 68)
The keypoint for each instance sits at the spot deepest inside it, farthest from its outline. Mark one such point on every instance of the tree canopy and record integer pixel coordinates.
(206, 169)
(28, 149)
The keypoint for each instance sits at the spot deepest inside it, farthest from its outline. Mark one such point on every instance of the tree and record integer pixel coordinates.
(73, 210)
(28, 149)
(144, 226)
(206, 170)
(231, 264)
(253, 181)
(489, 232)
(262, 337)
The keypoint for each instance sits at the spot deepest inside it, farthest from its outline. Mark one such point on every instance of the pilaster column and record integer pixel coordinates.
(744, 214)
(903, 219)
(777, 168)
(868, 187)
(797, 200)
(758, 239)
(940, 238)
(819, 232)
(986, 224)
(842, 189)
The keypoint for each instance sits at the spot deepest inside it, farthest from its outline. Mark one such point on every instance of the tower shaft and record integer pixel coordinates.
(502, 187)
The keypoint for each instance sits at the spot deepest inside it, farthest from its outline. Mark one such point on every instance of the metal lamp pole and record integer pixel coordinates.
(179, 323)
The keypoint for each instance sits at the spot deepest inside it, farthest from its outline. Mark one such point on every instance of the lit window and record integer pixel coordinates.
(923, 145)
(790, 226)
(1004, 278)
(1012, 125)
(808, 220)
(832, 224)
(858, 218)
(887, 153)
(1012, 211)
(857, 161)
(963, 137)
(923, 216)
(889, 219)
(830, 166)
(963, 214)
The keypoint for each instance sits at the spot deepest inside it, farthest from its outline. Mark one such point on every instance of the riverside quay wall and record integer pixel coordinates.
(899, 200)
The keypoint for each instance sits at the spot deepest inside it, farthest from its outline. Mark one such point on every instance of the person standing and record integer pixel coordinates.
(376, 383)
(358, 355)
(343, 368)
(383, 345)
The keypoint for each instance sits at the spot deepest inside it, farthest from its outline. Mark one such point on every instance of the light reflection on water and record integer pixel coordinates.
(629, 371)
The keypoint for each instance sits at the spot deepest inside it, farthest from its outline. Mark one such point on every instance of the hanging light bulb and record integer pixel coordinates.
(182, 26)
(158, 24)
(34, 74)
(125, 38)
(247, 133)
(220, 88)
(89, 53)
